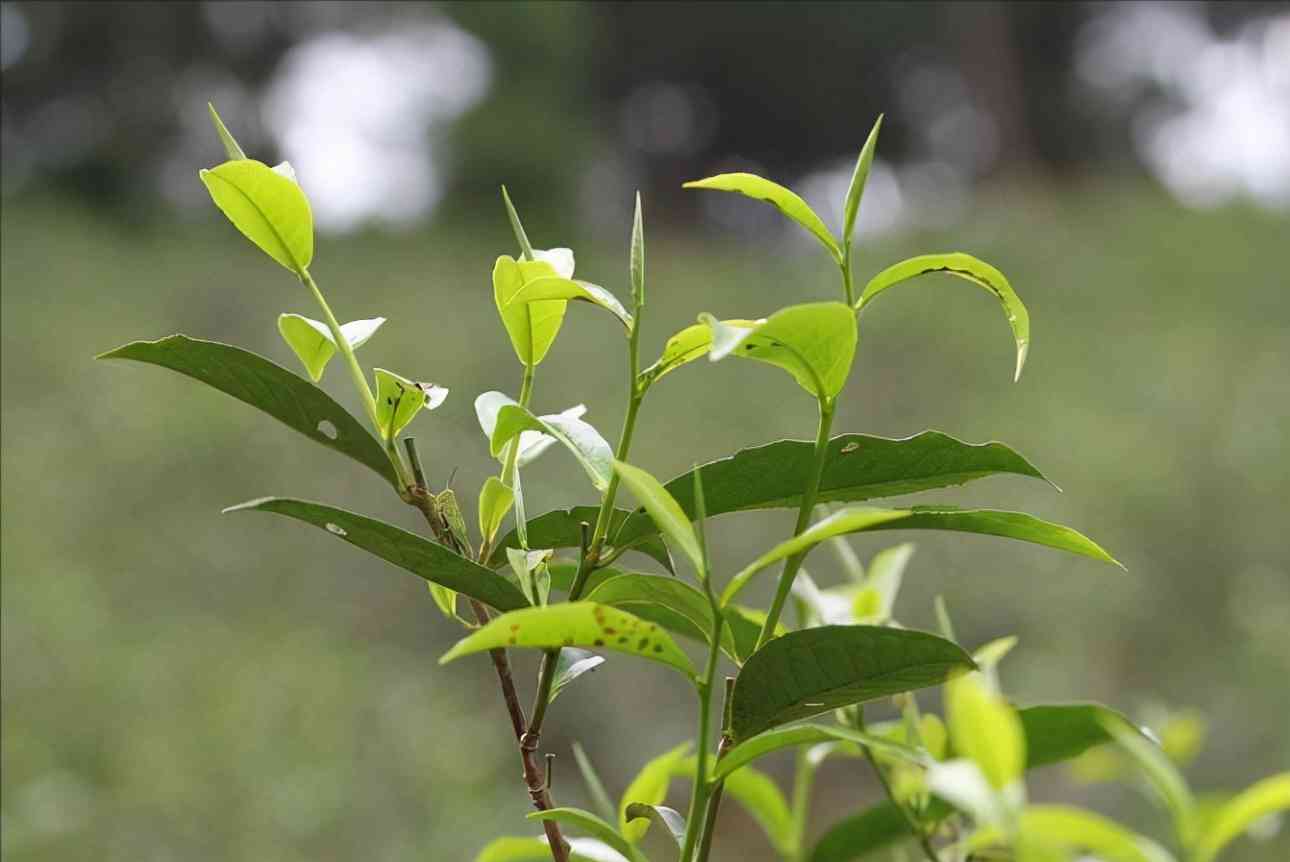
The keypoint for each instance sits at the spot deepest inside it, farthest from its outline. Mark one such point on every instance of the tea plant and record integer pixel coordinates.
(954, 786)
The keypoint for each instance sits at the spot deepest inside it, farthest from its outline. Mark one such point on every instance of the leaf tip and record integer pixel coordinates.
(248, 505)
(1023, 348)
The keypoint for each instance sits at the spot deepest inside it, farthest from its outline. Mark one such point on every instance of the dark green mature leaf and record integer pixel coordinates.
(807, 672)
(1060, 731)
(857, 467)
(562, 529)
(590, 824)
(409, 551)
(807, 734)
(268, 386)
(854, 836)
(575, 624)
(784, 200)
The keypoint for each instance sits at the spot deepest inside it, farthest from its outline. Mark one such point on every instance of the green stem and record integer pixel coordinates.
(848, 288)
(812, 490)
(803, 779)
(699, 794)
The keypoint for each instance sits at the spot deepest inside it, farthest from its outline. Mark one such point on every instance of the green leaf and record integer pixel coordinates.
(855, 519)
(815, 342)
(530, 570)
(595, 787)
(526, 248)
(1061, 731)
(511, 849)
(967, 267)
(532, 443)
(584, 441)
(667, 515)
(495, 500)
(1257, 801)
(399, 400)
(590, 824)
(1066, 828)
(689, 344)
(857, 467)
(554, 287)
(312, 341)
(637, 266)
(669, 818)
(531, 326)
(409, 551)
(807, 672)
(580, 624)
(225, 137)
(649, 787)
(757, 794)
(860, 834)
(562, 529)
(673, 604)
(878, 594)
(1160, 773)
(780, 738)
(268, 208)
(776, 195)
(571, 664)
(267, 386)
(986, 729)
(856, 190)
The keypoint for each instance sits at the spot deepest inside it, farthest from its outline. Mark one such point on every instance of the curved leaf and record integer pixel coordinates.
(419, 556)
(571, 664)
(399, 400)
(815, 342)
(780, 738)
(777, 196)
(1060, 731)
(269, 209)
(858, 179)
(312, 341)
(267, 386)
(554, 287)
(531, 326)
(988, 522)
(860, 834)
(857, 467)
(575, 624)
(689, 344)
(807, 672)
(589, 823)
(562, 528)
(663, 509)
(1066, 828)
(584, 441)
(649, 787)
(669, 818)
(1255, 802)
(967, 267)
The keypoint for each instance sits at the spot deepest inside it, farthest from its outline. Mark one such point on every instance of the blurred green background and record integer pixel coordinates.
(181, 685)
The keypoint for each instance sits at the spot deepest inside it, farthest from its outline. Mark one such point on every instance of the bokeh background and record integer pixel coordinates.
(181, 685)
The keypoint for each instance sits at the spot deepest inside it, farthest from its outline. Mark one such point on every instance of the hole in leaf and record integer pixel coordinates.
(337, 529)
(328, 430)
(850, 447)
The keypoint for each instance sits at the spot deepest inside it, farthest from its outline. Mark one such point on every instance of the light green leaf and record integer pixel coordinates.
(856, 190)
(667, 515)
(590, 824)
(986, 729)
(595, 787)
(1160, 773)
(808, 672)
(649, 787)
(1067, 829)
(580, 624)
(669, 818)
(967, 267)
(267, 386)
(409, 551)
(556, 288)
(560, 259)
(689, 344)
(808, 734)
(637, 266)
(886, 570)
(860, 834)
(495, 500)
(511, 849)
(531, 326)
(312, 341)
(526, 248)
(399, 400)
(963, 784)
(776, 195)
(757, 794)
(571, 664)
(269, 209)
(231, 147)
(814, 342)
(530, 571)
(584, 441)
(1257, 801)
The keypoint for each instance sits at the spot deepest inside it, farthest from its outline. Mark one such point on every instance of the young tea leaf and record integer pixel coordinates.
(584, 441)
(660, 505)
(669, 818)
(571, 664)
(1239, 813)
(532, 326)
(1066, 829)
(757, 794)
(784, 200)
(312, 341)
(495, 500)
(226, 138)
(986, 729)
(555, 288)
(269, 209)
(673, 604)
(780, 738)
(589, 823)
(649, 787)
(689, 344)
(856, 190)
(562, 528)
(399, 400)
(808, 672)
(637, 266)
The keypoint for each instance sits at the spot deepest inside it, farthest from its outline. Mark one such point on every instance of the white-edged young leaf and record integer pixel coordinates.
(560, 259)
(398, 400)
(286, 170)
(669, 818)
(495, 501)
(588, 447)
(783, 199)
(571, 664)
(684, 347)
(663, 508)
(534, 443)
(269, 209)
(1236, 816)
(568, 289)
(312, 342)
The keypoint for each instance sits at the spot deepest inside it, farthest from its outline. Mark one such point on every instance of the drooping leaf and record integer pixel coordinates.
(495, 500)
(776, 195)
(807, 672)
(986, 729)
(312, 341)
(267, 386)
(1255, 802)
(637, 265)
(269, 209)
(1160, 772)
(1061, 731)
(231, 147)
(399, 400)
(562, 528)
(689, 344)
(987, 522)
(571, 664)
(590, 824)
(409, 551)
(531, 326)
(780, 738)
(588, 447)
(857, 467)
(667, 515)
(649, 787)
(815, 342)
(556, 288)
(575, 624)
(858, 179)
(669, 818)
(860, 834)
(595, 787)
(967, 267)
